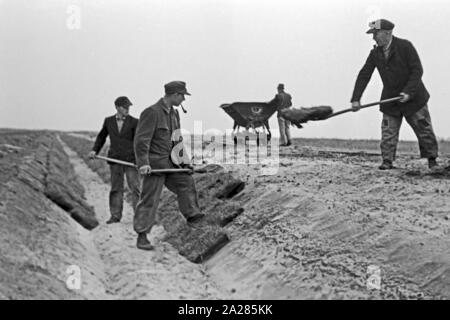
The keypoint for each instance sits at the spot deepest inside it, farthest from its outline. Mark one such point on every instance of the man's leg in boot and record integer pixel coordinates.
(390, 128)
(287, 129)
(183, 185)
(145, 214)
(116, 193)
(420, 122)
(133, 184)
(283, 138)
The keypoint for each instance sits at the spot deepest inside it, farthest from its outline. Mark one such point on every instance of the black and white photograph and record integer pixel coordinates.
(224, 154)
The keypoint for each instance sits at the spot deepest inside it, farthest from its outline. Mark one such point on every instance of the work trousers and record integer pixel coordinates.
(118, 172)
(285, 132)
(420, 122)
(182, 184)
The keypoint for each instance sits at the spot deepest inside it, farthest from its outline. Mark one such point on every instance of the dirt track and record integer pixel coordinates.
(131, 273)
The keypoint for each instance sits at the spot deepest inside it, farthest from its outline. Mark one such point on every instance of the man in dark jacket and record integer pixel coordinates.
(283, 100)
(121, 129)
(153, 146)
(401, 72)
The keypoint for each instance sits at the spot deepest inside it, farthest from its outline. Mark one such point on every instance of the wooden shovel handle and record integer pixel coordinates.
(365, 106)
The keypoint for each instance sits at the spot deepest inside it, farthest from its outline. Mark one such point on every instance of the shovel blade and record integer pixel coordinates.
(303, 115)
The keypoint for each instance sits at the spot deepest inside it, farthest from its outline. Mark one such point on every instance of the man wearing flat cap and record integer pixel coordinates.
(121, 129)
(401, 72)
(283, 100)
(153, 146)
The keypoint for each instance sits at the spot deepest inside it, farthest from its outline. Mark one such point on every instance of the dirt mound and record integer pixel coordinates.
(215, 190)
(39, 240)
(38, 160)
(318, 230)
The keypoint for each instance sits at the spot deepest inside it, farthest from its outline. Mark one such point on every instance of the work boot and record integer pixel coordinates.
(432, 163)
(386, 165)
(195, 218)
(288, 143)
(112, 220)
(143, 243)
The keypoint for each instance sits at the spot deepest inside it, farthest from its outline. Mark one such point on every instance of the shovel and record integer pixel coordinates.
(303, 115)
(134, 166)
(365, 106)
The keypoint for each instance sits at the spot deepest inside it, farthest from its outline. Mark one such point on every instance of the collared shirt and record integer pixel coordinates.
(387, 48)
(120, 120)
(153, 140)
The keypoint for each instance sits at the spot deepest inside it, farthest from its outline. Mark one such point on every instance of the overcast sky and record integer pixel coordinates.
(58, 72)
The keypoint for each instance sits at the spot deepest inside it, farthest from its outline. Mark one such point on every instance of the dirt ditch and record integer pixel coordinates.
(326, 225)
(40, 199)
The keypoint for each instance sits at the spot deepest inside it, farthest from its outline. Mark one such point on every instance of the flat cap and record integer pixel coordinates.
(176, 87)
(380, 24)
(122, 102)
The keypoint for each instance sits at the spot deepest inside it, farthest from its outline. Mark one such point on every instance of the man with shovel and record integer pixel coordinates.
(153, 146)
(121, 129)
(401, 72)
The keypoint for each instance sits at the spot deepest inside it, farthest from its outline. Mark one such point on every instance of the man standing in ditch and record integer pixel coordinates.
(283, 100)
(121, 129)
(153, 145)
(401, 72)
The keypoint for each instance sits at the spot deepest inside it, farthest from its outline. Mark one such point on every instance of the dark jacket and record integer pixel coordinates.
(282, 100)
(400, 72)
(153, 142)
(121, 147)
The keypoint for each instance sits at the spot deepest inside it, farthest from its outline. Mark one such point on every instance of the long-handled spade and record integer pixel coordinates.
(303, 115)
(365, 106)
(134, 166)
